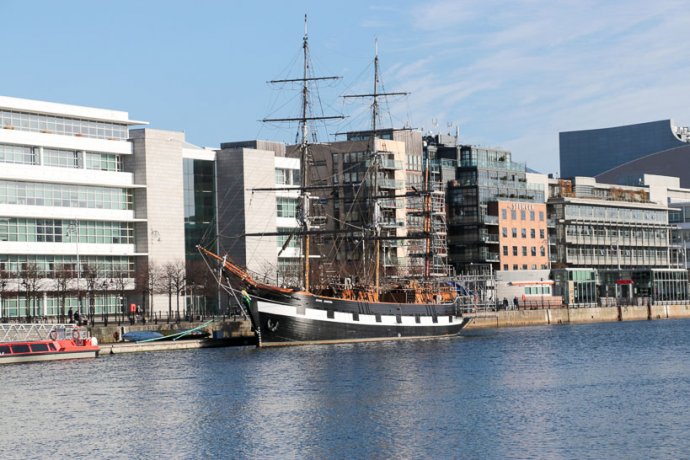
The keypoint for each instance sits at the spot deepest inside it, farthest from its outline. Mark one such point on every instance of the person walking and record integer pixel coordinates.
(516, 303)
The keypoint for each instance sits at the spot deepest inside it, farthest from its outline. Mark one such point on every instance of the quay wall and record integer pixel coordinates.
(221, 329)
(541, 317)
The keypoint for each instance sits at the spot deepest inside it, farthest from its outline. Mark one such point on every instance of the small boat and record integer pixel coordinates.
(197, 332)
(138, 336)
(57, 347)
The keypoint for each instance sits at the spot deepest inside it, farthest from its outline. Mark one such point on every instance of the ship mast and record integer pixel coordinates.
(375, 219)
(305, 155)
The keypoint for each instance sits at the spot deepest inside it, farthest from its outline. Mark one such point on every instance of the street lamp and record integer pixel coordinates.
(73, 230)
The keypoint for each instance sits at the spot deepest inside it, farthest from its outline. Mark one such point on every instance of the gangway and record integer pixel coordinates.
(18, 332)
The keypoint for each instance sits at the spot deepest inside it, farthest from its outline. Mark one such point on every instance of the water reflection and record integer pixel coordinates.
(597, 391)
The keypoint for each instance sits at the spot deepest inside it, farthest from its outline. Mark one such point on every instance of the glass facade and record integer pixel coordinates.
(65, 231)
(199, 205)
(62, 125)
(71, 196)
(14, 307)
(49, 265)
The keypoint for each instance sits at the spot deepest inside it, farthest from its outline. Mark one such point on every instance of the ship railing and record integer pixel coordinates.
(21, 332)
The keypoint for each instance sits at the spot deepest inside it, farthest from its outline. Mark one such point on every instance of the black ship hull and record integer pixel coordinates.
(308, 319)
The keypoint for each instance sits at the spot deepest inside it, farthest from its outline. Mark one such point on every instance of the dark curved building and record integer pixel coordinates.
(596, 151)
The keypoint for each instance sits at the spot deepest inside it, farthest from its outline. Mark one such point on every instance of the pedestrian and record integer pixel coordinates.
(505, 303)
(516, 303)
(77, 318)
(70, 314)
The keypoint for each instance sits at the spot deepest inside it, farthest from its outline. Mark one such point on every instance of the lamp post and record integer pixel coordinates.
(73, 229)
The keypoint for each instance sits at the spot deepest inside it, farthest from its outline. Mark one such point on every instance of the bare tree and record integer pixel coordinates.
(31, 281)
(147, 282)
(175, 276)
(62, 277)
(89, 273)
(204, 283)
(4, 282)
(120, 284)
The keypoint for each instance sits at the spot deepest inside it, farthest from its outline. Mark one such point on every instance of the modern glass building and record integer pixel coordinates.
(484, 178)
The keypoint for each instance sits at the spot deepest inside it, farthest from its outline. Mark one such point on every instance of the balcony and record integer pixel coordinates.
(387, 163)
(391, 184)
(490, 220)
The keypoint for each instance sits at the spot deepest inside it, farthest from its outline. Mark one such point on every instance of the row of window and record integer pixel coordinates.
(48, 266)
(523, 214)
(615, 252)
(19, 154)
(532, 251)
(61, 158)
(71, 196)
(525, 267)
(602, 213)
(614, 232)
(61, 231)
(19, 307)
(62, 125)
(523, 232)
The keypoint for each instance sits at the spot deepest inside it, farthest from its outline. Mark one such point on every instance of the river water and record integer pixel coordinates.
(616, 390)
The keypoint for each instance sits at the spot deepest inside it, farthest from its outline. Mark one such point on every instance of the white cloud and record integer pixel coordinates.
(519, 72)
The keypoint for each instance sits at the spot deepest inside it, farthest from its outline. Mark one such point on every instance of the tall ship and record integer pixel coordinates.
(353, 234)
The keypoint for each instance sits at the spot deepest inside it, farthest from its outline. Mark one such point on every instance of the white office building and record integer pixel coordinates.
(67, 212)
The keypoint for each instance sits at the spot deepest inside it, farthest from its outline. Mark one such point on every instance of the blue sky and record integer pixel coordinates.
(508, 73)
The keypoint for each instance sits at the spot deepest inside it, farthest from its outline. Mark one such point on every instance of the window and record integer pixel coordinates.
(515, 250)
(534, 266)
(61, 158)
(523, 232)
(524, 266)
(286, 207)
(63, 195)
(515, 266)
(62, 125)
(524, 250)
(23, 348)
(504, 232)
(39, 347)
(533, 251)
(514, 232)
(532, 233)
(505, 267)
(522, 214)
(531, 215)
(541, 216)
(102, 161)
(513, 214)
(20, 154)
(505, 250)
(541, 233)
(504, 213)
(542, 251)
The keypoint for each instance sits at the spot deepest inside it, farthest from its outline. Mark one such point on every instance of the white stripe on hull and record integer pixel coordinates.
(347, 318)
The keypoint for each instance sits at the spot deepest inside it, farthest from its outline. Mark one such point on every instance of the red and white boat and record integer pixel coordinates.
(62, 343)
